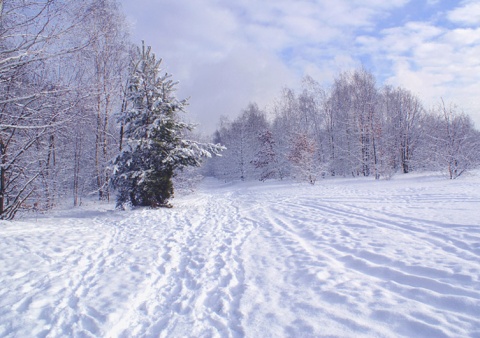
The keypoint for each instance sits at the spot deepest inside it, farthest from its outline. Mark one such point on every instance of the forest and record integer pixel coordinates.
(353, 128)
(64, 73)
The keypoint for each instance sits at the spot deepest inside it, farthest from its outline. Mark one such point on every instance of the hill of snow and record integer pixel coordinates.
(343, 258)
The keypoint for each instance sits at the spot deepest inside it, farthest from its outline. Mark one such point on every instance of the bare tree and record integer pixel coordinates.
(107, 59)
(402, 115)
(351, 118)
(37, 96)
(453, 141)
(240, 137)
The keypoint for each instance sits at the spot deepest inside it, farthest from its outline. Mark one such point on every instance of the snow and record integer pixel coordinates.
(343, 258)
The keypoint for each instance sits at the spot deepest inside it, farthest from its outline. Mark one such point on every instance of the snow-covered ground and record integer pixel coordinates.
(343, 258)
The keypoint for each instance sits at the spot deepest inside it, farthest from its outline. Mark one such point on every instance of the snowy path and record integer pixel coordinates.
(345, 258)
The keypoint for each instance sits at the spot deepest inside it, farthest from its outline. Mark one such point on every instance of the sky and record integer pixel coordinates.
(226, 54)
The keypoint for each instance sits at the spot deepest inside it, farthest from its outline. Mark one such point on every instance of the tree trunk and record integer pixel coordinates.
(2, 179)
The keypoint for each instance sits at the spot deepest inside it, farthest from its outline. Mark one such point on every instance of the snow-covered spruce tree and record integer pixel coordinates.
(302, 157)
(153, 137)
(266, 158)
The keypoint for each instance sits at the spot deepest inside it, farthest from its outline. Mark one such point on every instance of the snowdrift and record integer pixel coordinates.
(343, 258)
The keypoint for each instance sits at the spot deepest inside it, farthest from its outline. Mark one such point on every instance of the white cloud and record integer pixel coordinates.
(228, 53)
(226, 87)
(463, 36)
(468, 14)
(432, 61)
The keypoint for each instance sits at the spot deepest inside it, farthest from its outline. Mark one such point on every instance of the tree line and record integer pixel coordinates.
(354, 128)
(63, 66)
(70, 95)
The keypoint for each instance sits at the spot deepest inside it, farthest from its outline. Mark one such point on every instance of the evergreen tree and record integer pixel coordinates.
(266, 158)
(302, 157)
(153, 137)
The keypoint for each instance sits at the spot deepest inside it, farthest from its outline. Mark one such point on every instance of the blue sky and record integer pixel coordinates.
(229, 53)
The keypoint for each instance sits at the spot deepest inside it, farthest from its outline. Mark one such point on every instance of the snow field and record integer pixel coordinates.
(343, 258)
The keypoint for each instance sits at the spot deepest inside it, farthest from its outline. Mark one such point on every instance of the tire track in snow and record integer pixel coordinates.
(284, 260)
(318, 236)
(443, 235)
(197, 283)
(414, 234)
(248, 260)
